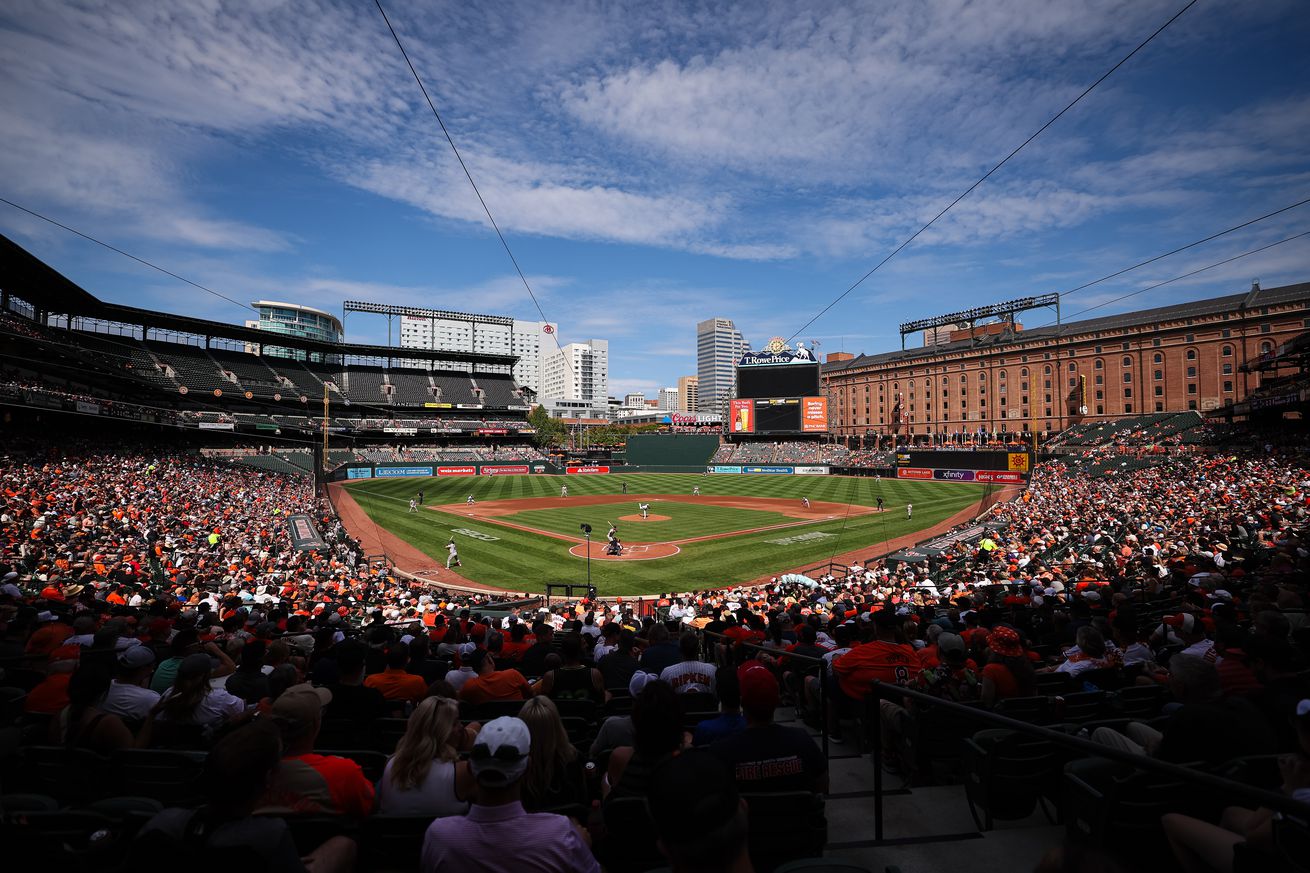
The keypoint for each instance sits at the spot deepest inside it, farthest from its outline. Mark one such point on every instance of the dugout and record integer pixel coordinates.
(671, 449)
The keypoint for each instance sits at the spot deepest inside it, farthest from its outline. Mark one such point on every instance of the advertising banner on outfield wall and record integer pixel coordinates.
(814, 414)
(725, 468)
(953, 475)
(359, 473)
(503, 469)
(741, 416)
(999, 476)
(576, 471)
(463, 470)
(766, 470)
(397, 472)
(810, 471)
(913, 473)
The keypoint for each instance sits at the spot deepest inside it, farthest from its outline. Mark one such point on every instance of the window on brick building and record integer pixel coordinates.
(1191, 404)
(1128, 408)
(1226, 351)
(1191, 354)
(1228, 387)
(1159, 390)
(1266, 348)
(1155, 343)
(1265, 328)
(1128, 392)
(1158, 374)
(1225, 333)
(1128, 377)
(1191, 372)
(1100, 380)
(1227, 369)
(1191, 338)
(1157, 358)
(1098, 350)
(1127, 361)
(1159, 407)
(1098, 364)
(1191, 387)
(1100, 410)
(1100, 395)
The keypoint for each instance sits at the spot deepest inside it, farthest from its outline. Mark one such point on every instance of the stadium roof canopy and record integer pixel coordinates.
(1250, 300)
(27, 277)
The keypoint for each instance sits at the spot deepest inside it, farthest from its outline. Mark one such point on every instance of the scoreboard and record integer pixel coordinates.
(993, 467)
(796, 415)
(795, 380)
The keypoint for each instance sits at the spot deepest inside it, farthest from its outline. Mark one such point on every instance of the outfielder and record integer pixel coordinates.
(909, 510)
(454, 554)
(563, 491)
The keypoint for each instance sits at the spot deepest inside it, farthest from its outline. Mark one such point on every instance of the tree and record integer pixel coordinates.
(549, 431)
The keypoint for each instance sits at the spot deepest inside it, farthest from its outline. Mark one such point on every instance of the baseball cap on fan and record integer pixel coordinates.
(500, 755)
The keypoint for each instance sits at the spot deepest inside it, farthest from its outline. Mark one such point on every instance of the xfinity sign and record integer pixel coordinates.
(954, 475)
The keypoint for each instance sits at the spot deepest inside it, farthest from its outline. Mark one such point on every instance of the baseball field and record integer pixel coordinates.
(520, 533)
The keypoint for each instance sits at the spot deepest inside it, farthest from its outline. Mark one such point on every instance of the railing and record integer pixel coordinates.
(882, 691)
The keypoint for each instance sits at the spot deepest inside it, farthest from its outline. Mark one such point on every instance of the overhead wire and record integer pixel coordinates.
(1002, 163)
(474, 185)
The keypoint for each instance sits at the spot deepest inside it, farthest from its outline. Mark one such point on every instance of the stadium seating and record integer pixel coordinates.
(410, 387)
(192, 366)
(364, 385)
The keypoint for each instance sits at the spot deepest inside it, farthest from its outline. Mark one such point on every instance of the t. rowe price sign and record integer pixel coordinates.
(954, 475)
(457, 471)
(503, 469)
(574, 471)
(913, 473)
(999, 476)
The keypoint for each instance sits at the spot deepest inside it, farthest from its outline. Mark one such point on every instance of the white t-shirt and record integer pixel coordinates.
(129, 701)
(1202, 649)
(601, 651)
(457, 678)
(216, 706)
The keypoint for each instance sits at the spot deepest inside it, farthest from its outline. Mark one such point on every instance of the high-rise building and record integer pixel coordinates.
(578, 371)
(634, 400)
(441, 330)
(719, 345)
(688, 393)
(668, 399)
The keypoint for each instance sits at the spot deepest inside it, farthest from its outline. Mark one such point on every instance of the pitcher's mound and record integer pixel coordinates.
(651, 517)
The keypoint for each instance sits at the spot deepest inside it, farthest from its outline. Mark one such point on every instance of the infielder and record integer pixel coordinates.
(469, 501)
(454, 554)
(413, 505)
(695, 491)
(563, 491)
(645, 509)
(805, 501)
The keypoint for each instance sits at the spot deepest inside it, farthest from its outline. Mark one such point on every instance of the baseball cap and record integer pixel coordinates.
(136, 656)
(759, 688)
(194, 665)
(948, 642)
(466, 649)
(500, 755)
(638, 682)
(1184, 621)
(299, 707)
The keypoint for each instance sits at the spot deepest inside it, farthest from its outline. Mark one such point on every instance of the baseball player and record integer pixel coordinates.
(805, 501)
(645, 509)
(563, 491)
(880, 504)
(470, 501)
(909, 511)
(453, 554)
(625, 487)
(614, 530)
(695, 491)
(420, 497)
(413, 505)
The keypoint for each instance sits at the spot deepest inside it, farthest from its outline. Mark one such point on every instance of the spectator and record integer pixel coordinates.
(699, 817)
(307, 782)
(425, 775)
(656, 733)
(730, 721)
(477, 843)
(691, 674)
(192, 700)
(351, 699)
(1089, 653)
(128, 698)
(1008, 672)
(396, 682)
(533, 661)
(662, 652)
(555, 777)
(769, 756)
(248, 681)
(84, 723)
(616, 730)
(620, 664)
(463, 673)
(492, 684)
(573, 680)
(237, 770)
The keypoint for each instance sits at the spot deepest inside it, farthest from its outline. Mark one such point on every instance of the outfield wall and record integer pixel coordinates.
(770, 469)
(671, 449)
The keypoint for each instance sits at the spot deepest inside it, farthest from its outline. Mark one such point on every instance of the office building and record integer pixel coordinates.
(688, 393)
(578, 371)
(719, 345)
(439, 329)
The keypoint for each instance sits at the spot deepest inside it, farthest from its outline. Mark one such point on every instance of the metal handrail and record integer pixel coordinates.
(882, 690)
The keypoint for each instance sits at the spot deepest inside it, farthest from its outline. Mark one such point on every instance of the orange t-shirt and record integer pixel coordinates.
(500, 685)
(398, 685)
(890, 663)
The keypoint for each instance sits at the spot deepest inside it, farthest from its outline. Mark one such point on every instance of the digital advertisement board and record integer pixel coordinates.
(741, 416)
(814, 414)
(396, 472)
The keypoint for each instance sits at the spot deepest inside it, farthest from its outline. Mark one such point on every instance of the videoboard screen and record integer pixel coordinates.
(778, 415)
(793, 380)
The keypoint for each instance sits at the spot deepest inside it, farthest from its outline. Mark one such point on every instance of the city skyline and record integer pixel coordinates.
(651, 166)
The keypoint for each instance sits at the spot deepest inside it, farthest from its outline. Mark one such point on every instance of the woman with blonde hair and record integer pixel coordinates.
(425, 775)
(555, 777)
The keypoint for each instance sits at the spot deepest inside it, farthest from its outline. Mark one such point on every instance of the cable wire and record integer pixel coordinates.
(1002, 163)
(112, 248)
(468, 175)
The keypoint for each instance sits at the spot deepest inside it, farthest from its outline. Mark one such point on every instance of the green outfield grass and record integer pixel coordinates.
(527, 561)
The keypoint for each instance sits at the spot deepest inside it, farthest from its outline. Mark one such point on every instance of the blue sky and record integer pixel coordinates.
(653, 164)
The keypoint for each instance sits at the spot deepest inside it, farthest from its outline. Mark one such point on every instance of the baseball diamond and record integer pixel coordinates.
(739, 528)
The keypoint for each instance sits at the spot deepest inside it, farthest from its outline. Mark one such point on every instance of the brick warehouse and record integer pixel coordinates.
(1170, 359)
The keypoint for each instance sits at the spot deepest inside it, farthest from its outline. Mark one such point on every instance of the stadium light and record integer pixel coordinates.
(970, 316)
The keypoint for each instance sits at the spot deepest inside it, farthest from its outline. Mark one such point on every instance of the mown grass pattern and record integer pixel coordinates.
(527, 561)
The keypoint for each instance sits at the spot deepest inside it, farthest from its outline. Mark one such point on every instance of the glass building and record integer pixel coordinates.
(295, 320)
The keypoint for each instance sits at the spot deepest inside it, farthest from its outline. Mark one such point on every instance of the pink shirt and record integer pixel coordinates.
(481, 842)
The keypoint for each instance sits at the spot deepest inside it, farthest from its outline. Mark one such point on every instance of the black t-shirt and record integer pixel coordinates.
(533, 662)
(659, 656)
(1215, 732)
(355, 703)
(772, 758)
(617, 668)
